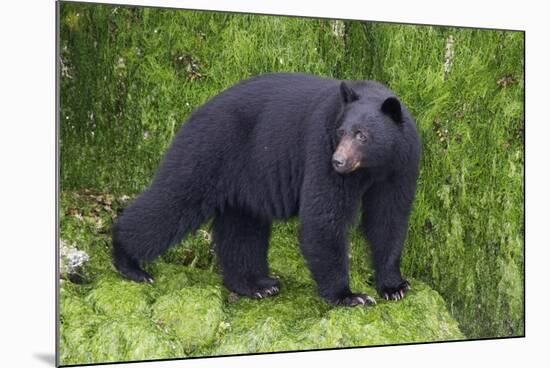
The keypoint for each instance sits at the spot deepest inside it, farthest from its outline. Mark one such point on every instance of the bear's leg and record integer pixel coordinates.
(156, 220)
(127, 266)
(241, 242)
(325, 249)
(386, 209)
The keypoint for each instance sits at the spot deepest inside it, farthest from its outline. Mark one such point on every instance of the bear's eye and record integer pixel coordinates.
(361, 136)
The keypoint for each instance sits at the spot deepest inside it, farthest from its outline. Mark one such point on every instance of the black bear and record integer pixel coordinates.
(273, 147)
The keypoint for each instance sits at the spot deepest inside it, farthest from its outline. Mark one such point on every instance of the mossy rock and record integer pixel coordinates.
(186, 312)
(191, 314)
(115, 296)
(78, 323)
(299, 320)
(132, 338)
(420, 317)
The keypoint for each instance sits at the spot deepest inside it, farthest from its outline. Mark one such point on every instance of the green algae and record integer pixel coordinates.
(192, 314)
(465, 237)
(172, 277)
(77, 325)
(186, 312)
(298, 320)
(132, 338)
(115, 296)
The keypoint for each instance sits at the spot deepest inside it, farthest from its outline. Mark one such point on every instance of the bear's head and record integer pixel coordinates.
(368, 130)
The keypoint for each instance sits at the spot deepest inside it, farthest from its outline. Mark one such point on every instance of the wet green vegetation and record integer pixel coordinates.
(186, 311)
(130, 77)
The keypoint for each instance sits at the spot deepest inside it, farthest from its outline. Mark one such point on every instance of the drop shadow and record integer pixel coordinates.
(46, 358)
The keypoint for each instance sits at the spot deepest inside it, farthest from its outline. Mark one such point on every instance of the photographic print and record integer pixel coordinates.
(235, 183)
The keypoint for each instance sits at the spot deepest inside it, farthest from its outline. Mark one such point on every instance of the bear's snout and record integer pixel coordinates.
(338, 160)
(343, 165)
(346, 158)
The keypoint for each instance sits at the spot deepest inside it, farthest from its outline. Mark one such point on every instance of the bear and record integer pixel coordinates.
(278, 146)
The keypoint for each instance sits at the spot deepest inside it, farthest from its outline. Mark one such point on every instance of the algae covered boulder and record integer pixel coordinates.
(115, 296)
(187, 312)
(299, 321)
(114, 319)
(192, 314)
(77, 325)
(420, 317)
(132, 338)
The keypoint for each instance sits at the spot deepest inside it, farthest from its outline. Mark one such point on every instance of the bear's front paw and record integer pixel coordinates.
(269, 291)
(351, 300)
(395, 292)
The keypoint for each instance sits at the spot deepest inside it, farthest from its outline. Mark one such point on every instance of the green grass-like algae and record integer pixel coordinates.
(131, 76)
(186, 311)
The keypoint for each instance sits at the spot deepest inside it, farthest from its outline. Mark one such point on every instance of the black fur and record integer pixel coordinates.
(261, 151)
(392, 107)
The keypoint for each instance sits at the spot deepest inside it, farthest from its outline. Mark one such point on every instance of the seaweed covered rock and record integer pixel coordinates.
(187, 313)
(192, 314)
(132, 338)
(114, 296)
(78, 323)
(284, 324)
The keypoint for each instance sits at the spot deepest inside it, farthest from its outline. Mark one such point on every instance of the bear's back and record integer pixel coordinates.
(247, 146)
(264, 166)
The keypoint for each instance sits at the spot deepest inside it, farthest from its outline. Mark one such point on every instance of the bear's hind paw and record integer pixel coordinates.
(353, 300)
(257, 288)
(136, 274)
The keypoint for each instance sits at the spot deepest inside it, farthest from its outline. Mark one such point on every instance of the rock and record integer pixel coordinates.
(192, 314)
(71, 261)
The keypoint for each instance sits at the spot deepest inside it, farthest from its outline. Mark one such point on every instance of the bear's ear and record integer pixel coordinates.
(347, 93)
(392, 107)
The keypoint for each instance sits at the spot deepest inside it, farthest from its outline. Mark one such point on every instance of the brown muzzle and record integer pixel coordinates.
(346, 157)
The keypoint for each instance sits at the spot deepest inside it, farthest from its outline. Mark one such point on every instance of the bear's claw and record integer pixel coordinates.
(270, 291)
(397, 293)
(137, 275)
(257, 288)
(353, 300)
